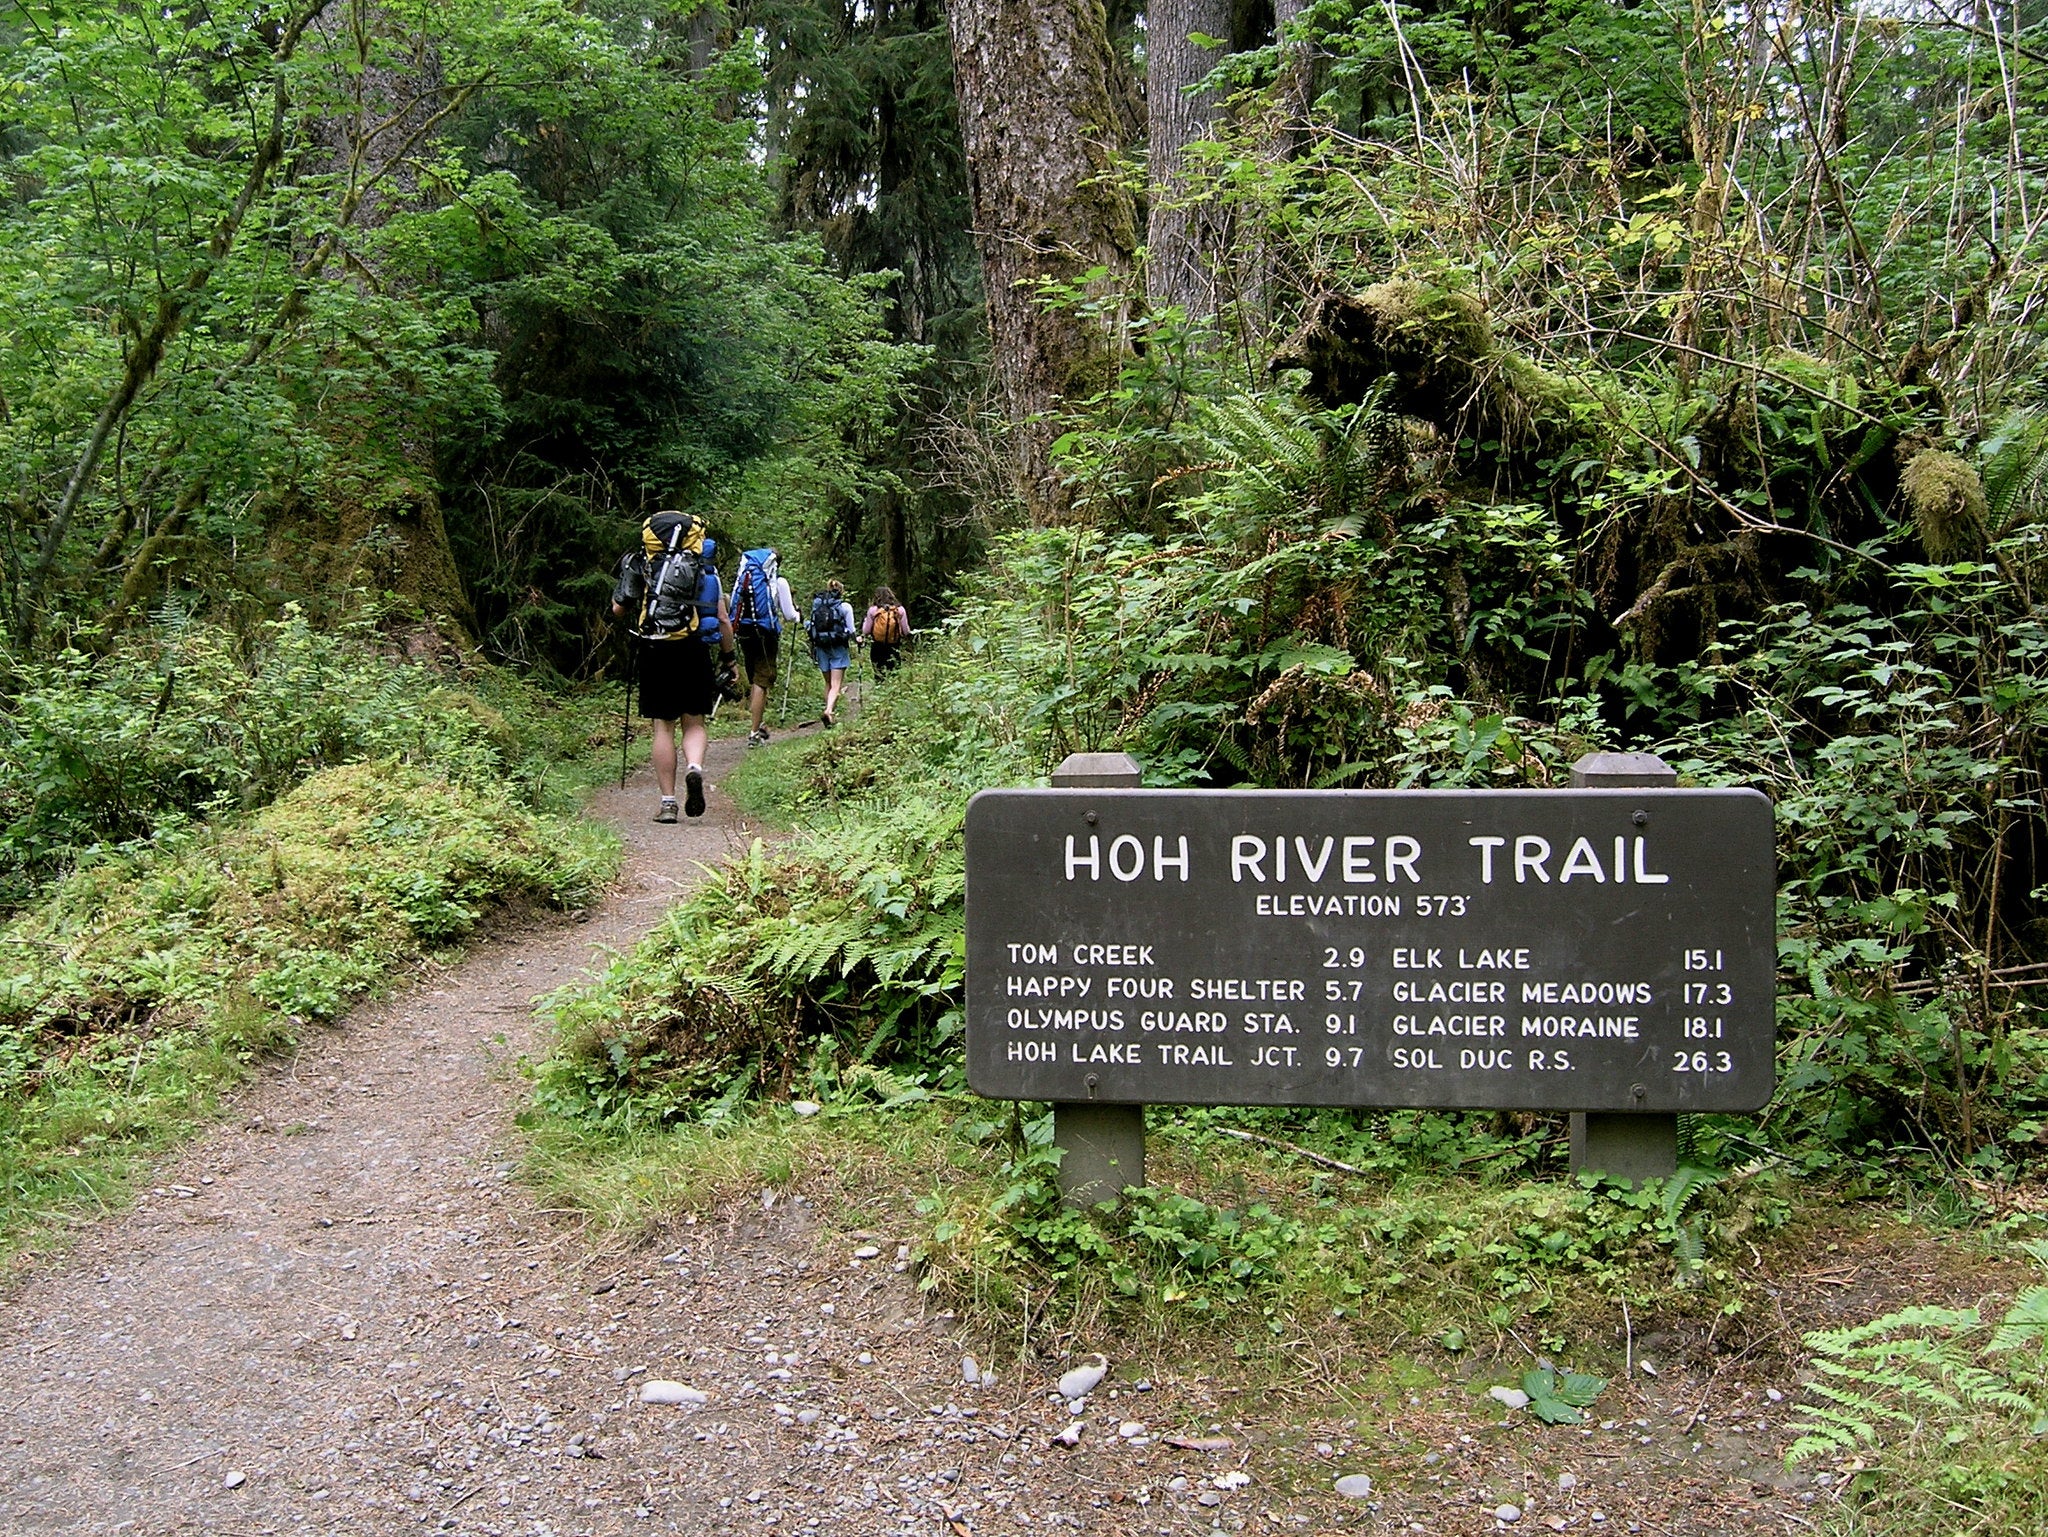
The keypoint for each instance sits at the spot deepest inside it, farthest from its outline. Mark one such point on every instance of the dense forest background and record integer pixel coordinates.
(1345, 393)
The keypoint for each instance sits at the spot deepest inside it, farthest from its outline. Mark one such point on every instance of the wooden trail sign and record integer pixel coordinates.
(1587, 950)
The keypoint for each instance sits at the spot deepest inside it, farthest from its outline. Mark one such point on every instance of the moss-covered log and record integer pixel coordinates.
(1446, 364)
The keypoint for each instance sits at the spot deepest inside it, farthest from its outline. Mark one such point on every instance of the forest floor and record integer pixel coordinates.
(342, 1311)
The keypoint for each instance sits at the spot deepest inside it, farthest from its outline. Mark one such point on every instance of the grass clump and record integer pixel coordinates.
(859, 1154)
(149, 979)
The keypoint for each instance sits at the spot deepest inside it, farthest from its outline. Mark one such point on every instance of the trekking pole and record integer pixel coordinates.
(782, 720)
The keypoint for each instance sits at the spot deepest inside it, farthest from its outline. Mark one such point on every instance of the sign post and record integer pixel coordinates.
(1624, 1144)
(1104, 1145)
(1607, 950)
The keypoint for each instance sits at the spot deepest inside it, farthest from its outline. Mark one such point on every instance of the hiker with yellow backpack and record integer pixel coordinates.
(886, 628)
(668, 591)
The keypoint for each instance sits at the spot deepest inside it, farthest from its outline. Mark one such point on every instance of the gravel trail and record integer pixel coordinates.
(340, 1311)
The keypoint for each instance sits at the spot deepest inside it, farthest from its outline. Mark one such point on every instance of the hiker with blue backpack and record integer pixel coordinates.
(831, 627)
(760, 604)
(668, 591)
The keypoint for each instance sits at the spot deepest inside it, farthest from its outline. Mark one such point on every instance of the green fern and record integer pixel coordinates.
(1917, 1364)
(1688, 1239)
(2014, 465)
(2025, 1322)
(850, 936)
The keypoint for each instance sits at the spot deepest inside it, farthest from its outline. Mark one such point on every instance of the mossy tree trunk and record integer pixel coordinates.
(1050, 211)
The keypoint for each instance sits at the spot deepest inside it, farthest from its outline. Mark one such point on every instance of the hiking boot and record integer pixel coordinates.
(693, 795)
(829, 721)
(667, 813)
(757, 738)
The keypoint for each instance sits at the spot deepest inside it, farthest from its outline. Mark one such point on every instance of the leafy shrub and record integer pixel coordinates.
(189, 719)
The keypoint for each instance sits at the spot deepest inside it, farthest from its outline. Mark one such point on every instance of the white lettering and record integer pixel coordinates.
(1246, 853)
(1530, 852)
(1161, 859)
(1582, 861)
(1486, 846)
(1356, 868)
(1092, 859)
(1116, 866)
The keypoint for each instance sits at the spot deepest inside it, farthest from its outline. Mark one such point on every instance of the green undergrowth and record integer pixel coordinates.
(841, 946)
(1934, 1417)
(1232, 1229)
(191, 720)
(1248, 1244)
(310, 816)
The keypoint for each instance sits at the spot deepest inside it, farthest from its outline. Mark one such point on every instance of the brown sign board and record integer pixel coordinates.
(1600, 950)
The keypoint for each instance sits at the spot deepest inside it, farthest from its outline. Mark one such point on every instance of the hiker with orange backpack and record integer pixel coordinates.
(886, 628)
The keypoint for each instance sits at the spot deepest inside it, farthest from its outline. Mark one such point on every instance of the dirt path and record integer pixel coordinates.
(340, 1312)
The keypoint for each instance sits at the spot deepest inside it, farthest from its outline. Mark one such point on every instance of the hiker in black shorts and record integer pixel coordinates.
(670, 593)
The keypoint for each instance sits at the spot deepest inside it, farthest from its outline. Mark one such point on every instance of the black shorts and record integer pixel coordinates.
(761, 648)
(677, 678)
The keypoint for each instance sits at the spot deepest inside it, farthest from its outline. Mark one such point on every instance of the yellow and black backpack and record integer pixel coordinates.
(673, 565)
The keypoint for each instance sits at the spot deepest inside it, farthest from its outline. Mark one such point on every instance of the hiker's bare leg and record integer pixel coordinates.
(665, 757)
(835, 680)
(757, 705)
(694, 736)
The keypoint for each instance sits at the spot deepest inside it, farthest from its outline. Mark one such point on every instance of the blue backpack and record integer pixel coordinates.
(753, 598)
(708, 593)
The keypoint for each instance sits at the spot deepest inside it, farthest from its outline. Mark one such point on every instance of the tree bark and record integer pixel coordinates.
(1037, 122)
(1297, 69)
(1184, 237)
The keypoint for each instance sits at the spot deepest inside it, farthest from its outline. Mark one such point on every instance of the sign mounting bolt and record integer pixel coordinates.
(1641, 819)
(1091, 818)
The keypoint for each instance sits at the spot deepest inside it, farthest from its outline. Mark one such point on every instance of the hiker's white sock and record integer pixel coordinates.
(696, 768)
